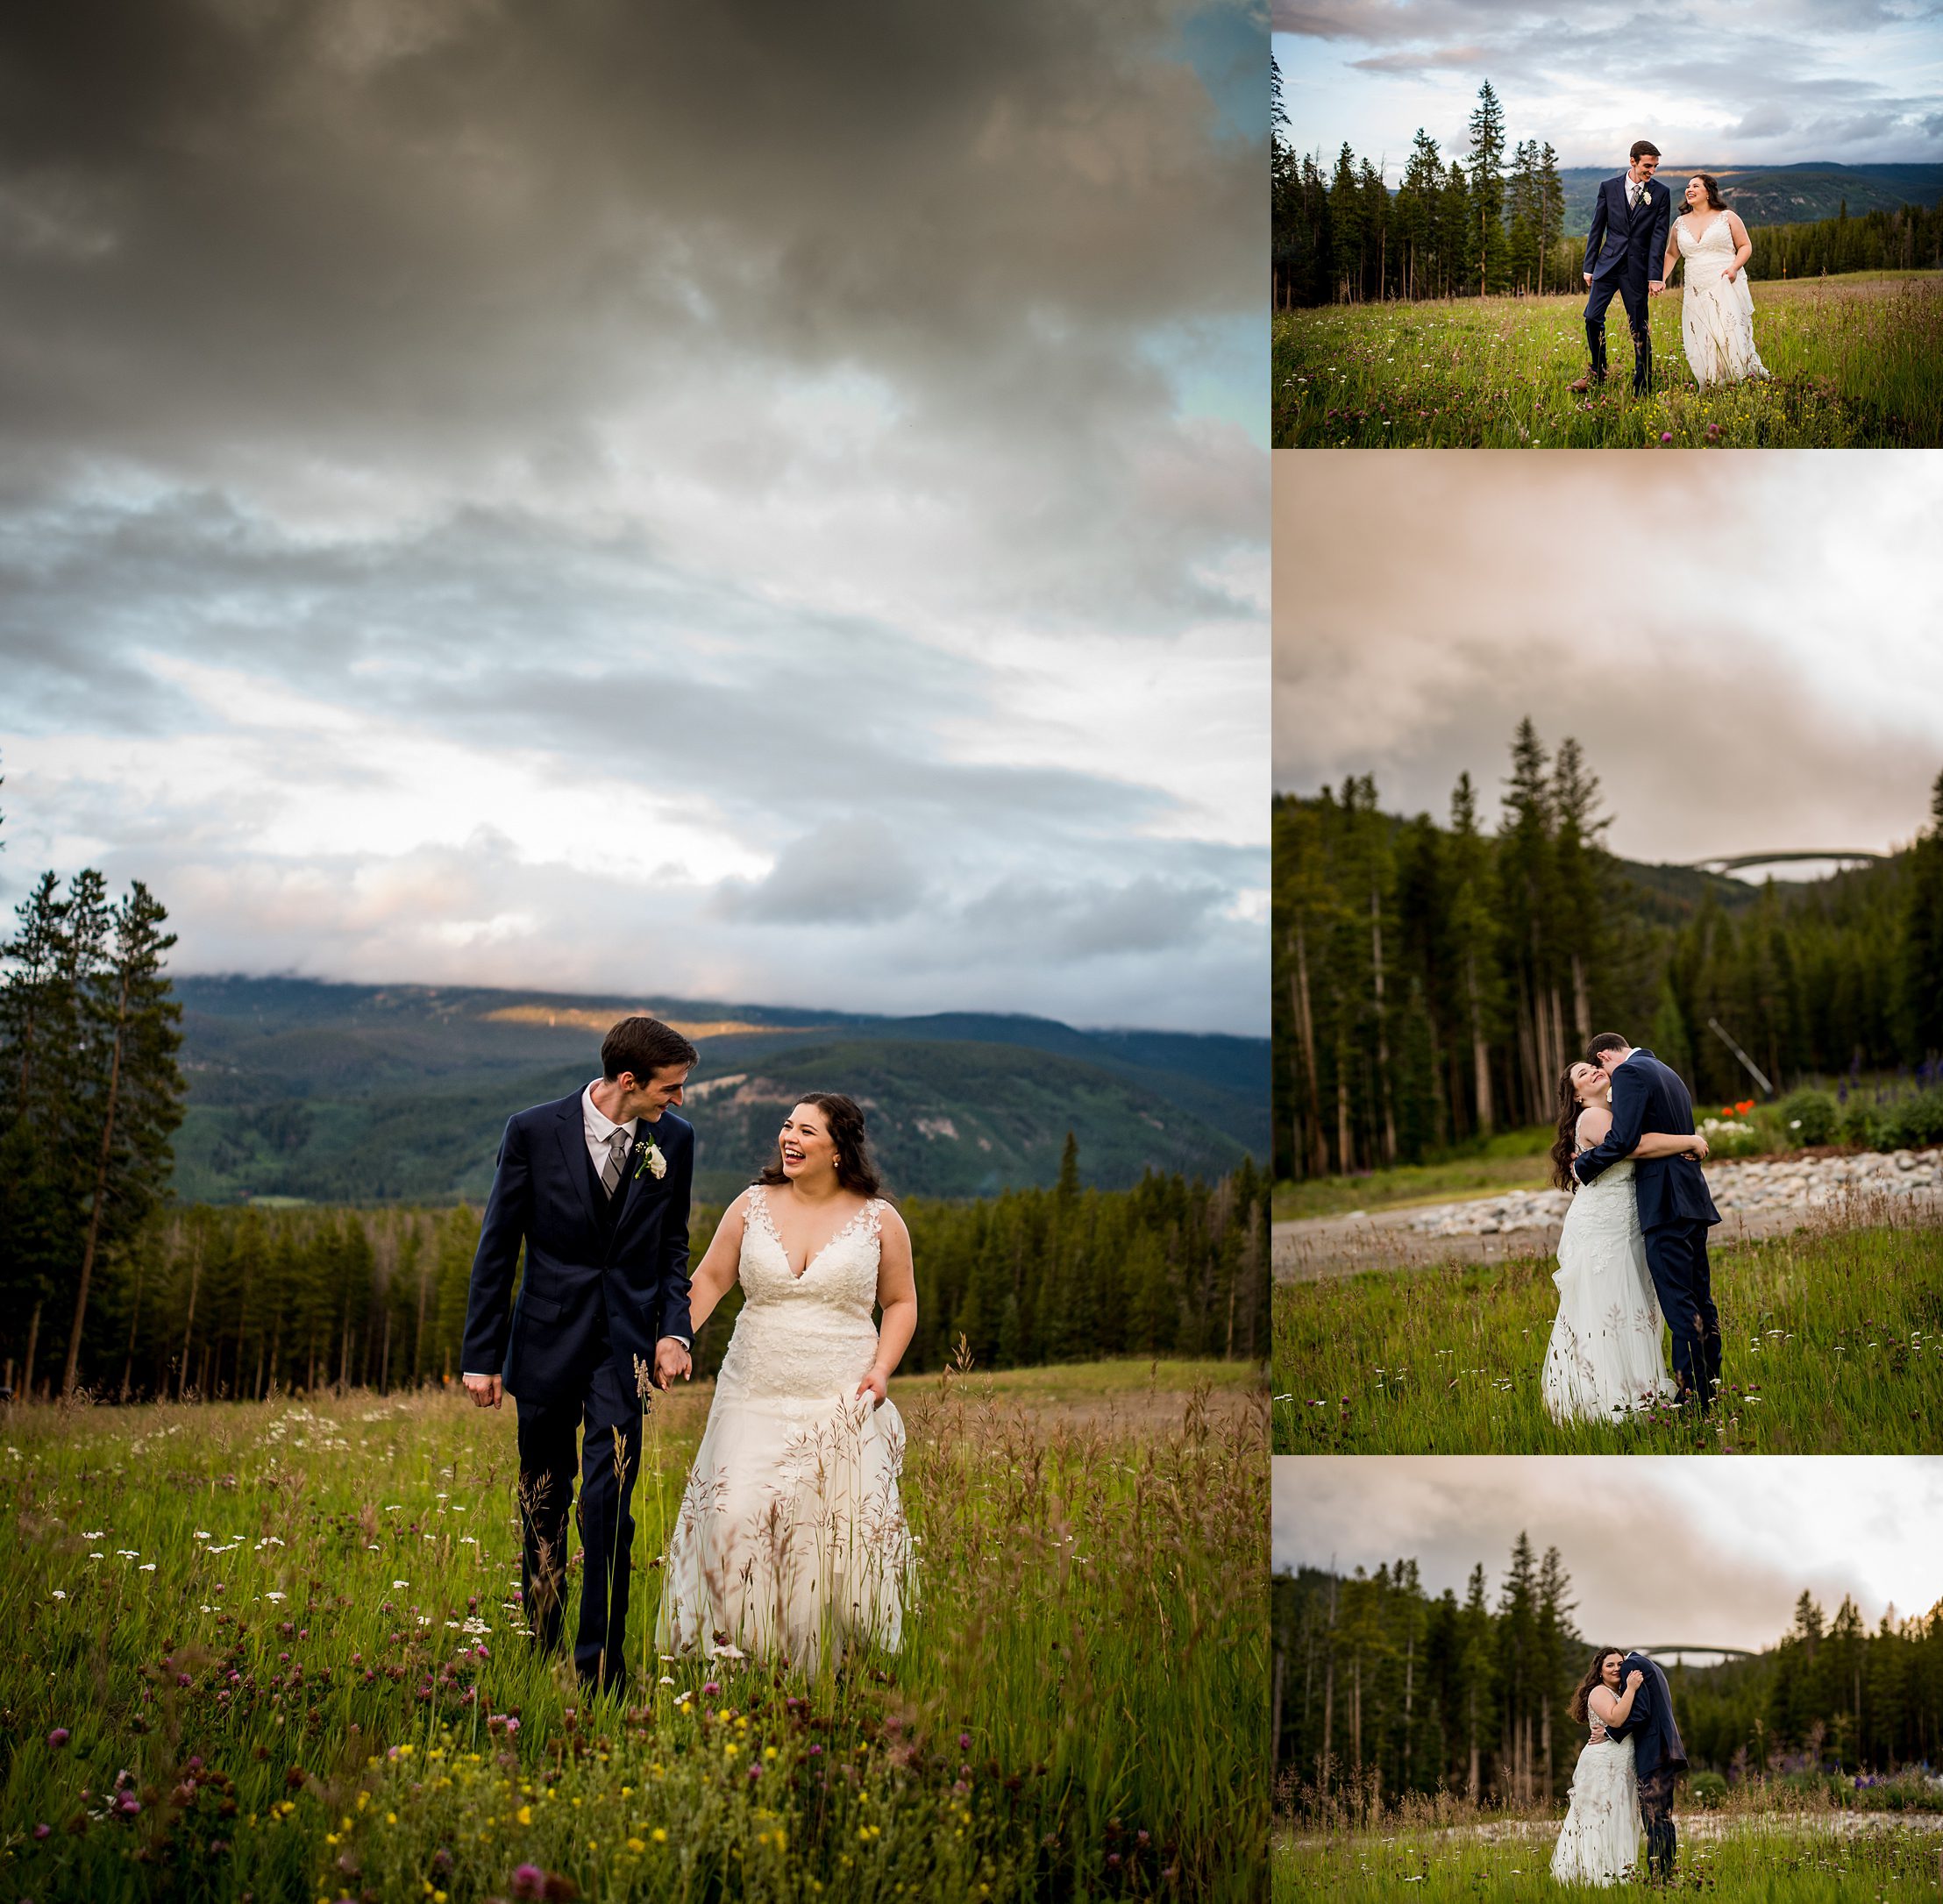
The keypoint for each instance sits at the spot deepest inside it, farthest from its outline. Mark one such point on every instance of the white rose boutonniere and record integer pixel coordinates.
(648, 1157)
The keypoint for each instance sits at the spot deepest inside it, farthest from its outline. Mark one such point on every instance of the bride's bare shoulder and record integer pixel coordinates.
(1593, 1123)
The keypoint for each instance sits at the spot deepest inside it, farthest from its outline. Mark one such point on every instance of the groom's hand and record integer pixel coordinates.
(670, 1360)
(1656, 286)
(484, 1390)
(1588, 276)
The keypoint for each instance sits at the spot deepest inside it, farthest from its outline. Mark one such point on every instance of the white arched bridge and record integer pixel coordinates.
(1728, 863)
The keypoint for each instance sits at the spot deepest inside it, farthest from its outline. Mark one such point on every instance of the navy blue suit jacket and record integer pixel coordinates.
(578, 1273)
(1649, 1725)
(1648, 1095)
(1627, 242)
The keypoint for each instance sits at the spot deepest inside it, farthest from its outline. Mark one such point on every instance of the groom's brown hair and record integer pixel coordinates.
(1642, 146)
(1605, 1041)
(643, 1046)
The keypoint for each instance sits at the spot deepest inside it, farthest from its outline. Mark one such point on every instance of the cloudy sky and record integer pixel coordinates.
(1720, 82)
(1659, 1547)
(751, 501)
(1749, 648)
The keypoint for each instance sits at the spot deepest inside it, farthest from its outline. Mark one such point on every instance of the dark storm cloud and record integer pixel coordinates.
(422, 418)
(1820, 80)
(361, 219)
(1766, 678)
(1659, 1548)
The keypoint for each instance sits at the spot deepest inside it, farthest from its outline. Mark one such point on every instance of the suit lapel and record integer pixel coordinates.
(574, 1156)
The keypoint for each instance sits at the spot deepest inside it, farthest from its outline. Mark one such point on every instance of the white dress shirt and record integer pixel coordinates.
(599, 1128)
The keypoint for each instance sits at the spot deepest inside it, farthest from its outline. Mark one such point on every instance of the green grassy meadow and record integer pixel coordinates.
(1512, 1160)
(272, 1651)
(1803, 1860)
(1834, 1344)
(1855, 362)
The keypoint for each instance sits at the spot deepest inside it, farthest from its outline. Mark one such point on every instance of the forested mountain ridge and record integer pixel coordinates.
(1798, 194)
(336, 1092)
(1433, 978)
(1378, 1684)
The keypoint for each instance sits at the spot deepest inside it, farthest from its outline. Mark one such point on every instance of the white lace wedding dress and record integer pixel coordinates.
(1604, 1358)
(1716, 318)
(791, 1538)
(1599, 1841)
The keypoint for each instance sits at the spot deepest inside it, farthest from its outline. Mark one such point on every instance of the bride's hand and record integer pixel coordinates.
(1731, 272)
(875, 1386)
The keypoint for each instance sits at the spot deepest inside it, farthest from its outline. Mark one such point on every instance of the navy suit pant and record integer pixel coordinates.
(1676, 1259)
(609, 1461)
(1657, 1813)
(1633, 296)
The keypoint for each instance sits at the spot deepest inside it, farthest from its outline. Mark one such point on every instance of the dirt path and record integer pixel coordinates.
(1757, 1199)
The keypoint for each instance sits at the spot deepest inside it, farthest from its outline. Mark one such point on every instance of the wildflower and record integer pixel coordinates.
(529, 1881)
(57, 1737)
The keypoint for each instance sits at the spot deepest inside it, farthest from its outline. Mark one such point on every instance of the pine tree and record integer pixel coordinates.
(136, 1019)
(1487, 186)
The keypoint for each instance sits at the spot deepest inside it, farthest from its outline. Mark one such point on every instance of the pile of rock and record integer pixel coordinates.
(1491, 1216)
(1803, 1183)
(1744, 1188)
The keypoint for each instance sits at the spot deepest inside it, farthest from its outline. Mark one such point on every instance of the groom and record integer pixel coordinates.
(595, 1186)
(1623, 251)
(1676, 1210)
(1658, 1759)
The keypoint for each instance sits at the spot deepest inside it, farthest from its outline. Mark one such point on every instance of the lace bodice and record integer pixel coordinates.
(804, 1335)
(841, 1274)
(1712, 238)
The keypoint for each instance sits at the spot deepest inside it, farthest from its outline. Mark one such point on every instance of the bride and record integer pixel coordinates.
(791, 1540)
(1599, 1842)
(1604, 1357)
(1717, 314)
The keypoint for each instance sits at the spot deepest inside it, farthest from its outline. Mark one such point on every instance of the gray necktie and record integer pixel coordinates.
(617, 1155)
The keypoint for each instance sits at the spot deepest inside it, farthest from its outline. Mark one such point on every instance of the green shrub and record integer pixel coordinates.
(1914, 1121)
(1862, 1126)
(1811, 1116)
(1707, 1789)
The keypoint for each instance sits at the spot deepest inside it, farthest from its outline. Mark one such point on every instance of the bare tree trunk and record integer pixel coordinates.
(1382, 1029)
(189, 1321)
(134, 1325)
(1582, 1009)
(1480, 1052)
(1275, 1707)
(1345, 1146)
(101, 1190)
(1471, 1783)
(1409, 1679)
(33, 1343)
(1305, 1019)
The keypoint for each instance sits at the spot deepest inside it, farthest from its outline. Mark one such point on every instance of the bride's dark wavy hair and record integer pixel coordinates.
(1713, 185)
(1565, 1140)
(856, 1170)
(1580, 1709)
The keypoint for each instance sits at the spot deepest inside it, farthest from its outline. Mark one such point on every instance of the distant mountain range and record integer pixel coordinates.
(1772, 194)
(363, 1094)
